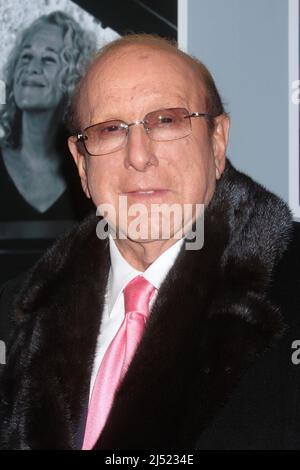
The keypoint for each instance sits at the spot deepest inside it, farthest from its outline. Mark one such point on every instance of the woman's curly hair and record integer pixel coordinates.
(75, 55)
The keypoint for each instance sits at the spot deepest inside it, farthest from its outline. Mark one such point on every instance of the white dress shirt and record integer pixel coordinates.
(121, 273)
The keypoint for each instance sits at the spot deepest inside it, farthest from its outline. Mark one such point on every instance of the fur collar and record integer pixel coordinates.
(211, 319)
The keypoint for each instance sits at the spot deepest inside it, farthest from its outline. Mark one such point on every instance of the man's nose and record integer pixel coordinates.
(139, 150)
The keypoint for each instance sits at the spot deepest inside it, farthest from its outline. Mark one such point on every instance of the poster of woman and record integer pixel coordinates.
(45, 47)
(48, 54)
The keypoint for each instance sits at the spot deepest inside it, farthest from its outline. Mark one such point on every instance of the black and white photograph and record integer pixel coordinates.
(45, 48)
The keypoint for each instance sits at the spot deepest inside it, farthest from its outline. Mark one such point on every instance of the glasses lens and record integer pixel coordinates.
(168, 124)
(105, 137)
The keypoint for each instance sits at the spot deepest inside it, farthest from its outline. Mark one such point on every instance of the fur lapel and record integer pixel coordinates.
(210, 321)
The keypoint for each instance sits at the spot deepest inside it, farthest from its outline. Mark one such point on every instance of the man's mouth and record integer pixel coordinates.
(147, 192)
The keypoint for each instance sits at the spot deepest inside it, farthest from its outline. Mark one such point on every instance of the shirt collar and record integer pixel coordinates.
(122, 272)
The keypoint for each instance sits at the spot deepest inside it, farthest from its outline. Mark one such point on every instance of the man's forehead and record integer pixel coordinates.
(126, 72)
(141, 61)
(136, 52)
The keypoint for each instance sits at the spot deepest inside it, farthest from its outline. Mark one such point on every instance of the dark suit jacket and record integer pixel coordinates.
(214, 368)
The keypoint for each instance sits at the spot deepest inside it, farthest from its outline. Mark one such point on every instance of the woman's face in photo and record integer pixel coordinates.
(36, 81)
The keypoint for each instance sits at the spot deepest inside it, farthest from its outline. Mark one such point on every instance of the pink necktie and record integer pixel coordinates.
(116, 360)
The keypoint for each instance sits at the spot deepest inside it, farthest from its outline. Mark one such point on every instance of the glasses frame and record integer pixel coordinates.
(82, 138)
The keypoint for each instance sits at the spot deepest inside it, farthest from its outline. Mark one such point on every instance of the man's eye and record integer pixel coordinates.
(111, 129)
(166, 120)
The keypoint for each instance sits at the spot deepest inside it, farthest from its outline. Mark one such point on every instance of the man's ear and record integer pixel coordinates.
(79, 159)
(219, 142)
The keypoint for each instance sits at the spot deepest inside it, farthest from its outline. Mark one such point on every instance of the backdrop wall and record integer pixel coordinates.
(245, 45)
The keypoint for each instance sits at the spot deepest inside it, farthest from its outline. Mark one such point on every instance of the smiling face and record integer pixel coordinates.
(127, 85)
(36, 84)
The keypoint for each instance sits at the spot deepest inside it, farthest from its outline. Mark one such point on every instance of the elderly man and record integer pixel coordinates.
(138, 341)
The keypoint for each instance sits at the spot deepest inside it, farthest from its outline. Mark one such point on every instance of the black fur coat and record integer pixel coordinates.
(213, 369)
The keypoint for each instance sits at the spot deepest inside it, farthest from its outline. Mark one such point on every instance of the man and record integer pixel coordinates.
(211, 366)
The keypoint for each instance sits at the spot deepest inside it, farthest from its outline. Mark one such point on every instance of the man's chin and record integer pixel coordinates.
(149, 232)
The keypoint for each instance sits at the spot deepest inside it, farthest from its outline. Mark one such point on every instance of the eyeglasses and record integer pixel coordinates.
(161, 126)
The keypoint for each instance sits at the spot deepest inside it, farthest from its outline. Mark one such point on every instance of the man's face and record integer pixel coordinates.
(127, 85)
(36, 75)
